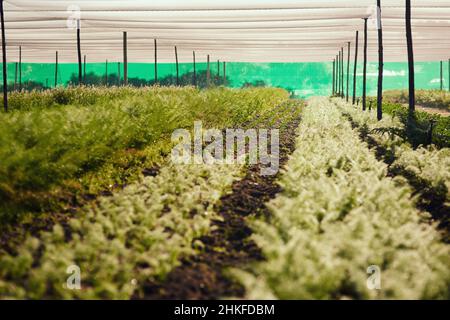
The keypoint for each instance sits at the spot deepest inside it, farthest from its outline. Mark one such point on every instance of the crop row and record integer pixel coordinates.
(61, 144)
(427, 163)
(339, 216)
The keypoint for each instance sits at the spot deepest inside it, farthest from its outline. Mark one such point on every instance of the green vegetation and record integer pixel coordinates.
(426, 98)
(338, 214)
(427, 163)
(77, 140)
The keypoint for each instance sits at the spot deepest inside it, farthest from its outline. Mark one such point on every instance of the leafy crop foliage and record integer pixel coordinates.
(58, 137)
(426, 98)
(338, 215)
(139, 234)
(427, 163)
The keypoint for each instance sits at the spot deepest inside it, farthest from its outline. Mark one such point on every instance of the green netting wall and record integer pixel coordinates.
(301, 79)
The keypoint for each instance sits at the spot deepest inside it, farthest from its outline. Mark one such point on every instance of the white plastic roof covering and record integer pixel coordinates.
(232, 30)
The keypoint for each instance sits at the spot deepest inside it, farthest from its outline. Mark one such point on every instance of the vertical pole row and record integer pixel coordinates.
(208, 72)
(5, 77)
(365, 67)
(80, 70)
(409, 40)
(195, 69)
(355, 67)
(56, 69)
(380, 63)
(156, 61)
(125, 58)
(348, 70)
(178, 70)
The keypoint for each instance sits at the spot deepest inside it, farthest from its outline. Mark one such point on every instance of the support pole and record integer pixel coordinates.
(333, 82)
(218, 69)
(125, 59)
(156, 61)
(5, 75)
(178, 70)
(15, 76)
(338, 72)
(20, 68)
(409, 40)
(355, 67)
(224, 73)
(342, 72)
(195, 69)
(380, 64)
(56, 69)
(208, 72)
(365, 66)
(348, 70)
(80, 69)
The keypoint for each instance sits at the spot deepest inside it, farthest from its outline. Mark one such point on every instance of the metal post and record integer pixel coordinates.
(178, 70)
(208, 72)
(56, 69)
(348, 70)
(224, 73)
(409, 40)
(195, 71)
(355, 68)
(125, 59)
(156, 62)
(365, 66)
(380, 64)
(80, 70)
(20, 68)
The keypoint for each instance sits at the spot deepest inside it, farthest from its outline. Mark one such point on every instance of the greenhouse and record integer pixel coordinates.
(245, 150)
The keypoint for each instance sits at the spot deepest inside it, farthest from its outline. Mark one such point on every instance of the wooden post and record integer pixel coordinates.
(365, 66)
(409, 40)
(106, 73)
(208, 72)
(195, 71)
(348, 70)
(84, 70)
(380, 63)
(125, 59)
(156, 62)
(355, 67)
(224, 73)
(20, 68)
(80, 70)
(178, 70)
(118, 73)
(333, 82)
(15, 76)
(56, 69)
